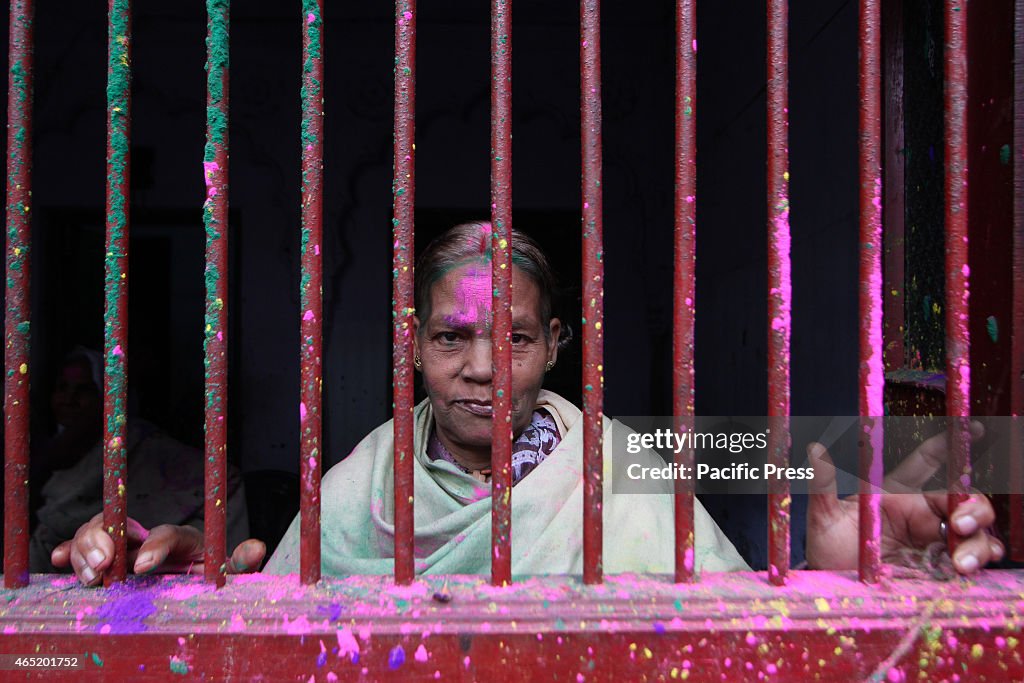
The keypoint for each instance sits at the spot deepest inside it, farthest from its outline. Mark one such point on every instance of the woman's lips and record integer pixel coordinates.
(477, 408)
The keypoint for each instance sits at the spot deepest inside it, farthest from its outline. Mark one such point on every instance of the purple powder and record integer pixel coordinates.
(125, 614)
(332, 611)
(396, 657)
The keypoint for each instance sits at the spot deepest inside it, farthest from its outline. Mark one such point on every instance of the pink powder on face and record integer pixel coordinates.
(472, 298)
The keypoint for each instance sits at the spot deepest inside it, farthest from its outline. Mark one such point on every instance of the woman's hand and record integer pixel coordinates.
(165, 548)
(911, 521)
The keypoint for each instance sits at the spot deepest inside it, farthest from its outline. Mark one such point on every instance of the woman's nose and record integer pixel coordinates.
(478, 360)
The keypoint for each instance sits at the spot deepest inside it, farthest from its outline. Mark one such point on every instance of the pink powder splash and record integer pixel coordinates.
(875, 384)
(347, 644)
(895, 675)
(421, 654)
(209, 168)
(310, 18)
(185, 591)
(297, 627)
(308, 315)
(302, 411)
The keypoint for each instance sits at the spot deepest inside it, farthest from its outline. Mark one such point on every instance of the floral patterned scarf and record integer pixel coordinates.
(535, 443)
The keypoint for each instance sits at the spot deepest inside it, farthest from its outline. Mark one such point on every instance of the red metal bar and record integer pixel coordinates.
(1016, 539)
(958, 362)
(16, 332)
(115, 315)
(779, 287)
(402, 294)
(501, 274)
(593, 290)
(684, 294)
(311, 290)
(871, 300)
(893, 206)
(215, 330)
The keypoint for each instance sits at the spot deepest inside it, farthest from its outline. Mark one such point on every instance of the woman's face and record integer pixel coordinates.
(76, 400)
(454, 344)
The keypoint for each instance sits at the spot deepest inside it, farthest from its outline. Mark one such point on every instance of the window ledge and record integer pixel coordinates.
(823, 624)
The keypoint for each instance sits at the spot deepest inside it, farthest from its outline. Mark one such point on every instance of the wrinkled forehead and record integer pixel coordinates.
(463, 296)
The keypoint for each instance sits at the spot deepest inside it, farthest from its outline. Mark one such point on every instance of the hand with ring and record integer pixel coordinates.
(912, 519)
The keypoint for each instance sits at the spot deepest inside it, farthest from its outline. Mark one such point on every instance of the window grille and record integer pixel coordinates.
(781, 624)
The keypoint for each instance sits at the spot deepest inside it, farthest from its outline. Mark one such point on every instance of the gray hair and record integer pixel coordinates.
(472, 241)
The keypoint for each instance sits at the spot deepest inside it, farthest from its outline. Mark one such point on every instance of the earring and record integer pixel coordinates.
(418, 362)
(549, 366)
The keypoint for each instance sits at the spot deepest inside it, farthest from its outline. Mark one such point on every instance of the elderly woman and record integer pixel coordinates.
(452, 465)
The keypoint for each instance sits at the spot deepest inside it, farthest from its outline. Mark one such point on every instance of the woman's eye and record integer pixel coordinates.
(448, 337)
(518, 339)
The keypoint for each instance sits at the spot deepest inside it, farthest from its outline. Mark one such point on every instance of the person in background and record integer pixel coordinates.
(164, 478)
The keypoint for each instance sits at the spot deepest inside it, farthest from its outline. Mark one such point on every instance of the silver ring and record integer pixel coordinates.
(943, 531)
